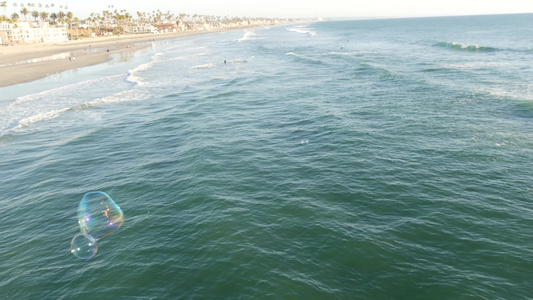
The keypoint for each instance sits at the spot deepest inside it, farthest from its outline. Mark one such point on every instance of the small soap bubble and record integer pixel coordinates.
(83, 246)
(99, 215)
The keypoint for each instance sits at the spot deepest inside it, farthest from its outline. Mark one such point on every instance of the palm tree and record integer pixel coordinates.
(69, 20)
(44, 16)
(53, 16)
(35, 15)
(15, 17)
(77, 22)
(98, 20)
(4, 5)
(24, 11)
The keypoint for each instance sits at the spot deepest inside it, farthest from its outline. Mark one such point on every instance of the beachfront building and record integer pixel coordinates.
(142, 29)
(165, 28)
(26, 32)
(193, 26)
(4, 26)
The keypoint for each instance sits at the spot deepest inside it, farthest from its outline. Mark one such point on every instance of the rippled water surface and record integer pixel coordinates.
(372, 159)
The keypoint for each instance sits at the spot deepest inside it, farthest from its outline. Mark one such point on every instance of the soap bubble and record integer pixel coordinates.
(83, 246)
(99, 215)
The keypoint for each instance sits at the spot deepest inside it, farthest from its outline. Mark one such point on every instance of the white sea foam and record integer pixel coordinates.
(351, 53)
(248, 34)
(463, 46)
(504, 90)
(124, 96)
(50, 104)
(135, 77)
(58, 92)
(302, 31)
(476, 65)
(176, 58)
(204, 66)
(40, 117)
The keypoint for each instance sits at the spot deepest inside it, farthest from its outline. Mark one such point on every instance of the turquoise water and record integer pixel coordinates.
(371, 159)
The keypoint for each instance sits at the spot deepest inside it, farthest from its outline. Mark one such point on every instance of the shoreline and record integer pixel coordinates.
(30, 62)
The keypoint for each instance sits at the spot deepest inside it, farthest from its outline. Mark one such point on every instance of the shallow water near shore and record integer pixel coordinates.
(369, 159)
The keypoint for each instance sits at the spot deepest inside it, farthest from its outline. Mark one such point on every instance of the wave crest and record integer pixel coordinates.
(302, 31)
(247, 36)
(464, 47)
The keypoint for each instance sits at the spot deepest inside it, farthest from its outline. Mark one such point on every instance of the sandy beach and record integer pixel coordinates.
(29, 62)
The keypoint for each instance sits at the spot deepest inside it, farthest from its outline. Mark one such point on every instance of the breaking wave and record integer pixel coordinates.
(302, 31)
(248, 34)
(202, 66)
(464, 47)
(124, 96)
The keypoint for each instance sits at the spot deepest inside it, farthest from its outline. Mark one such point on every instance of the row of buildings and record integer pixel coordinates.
(26, 32)
(179, 25)
(42, 32)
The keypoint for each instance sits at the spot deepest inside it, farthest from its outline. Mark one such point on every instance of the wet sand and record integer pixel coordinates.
(29, 62)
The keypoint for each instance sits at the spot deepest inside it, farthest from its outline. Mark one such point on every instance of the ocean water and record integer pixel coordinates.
(366, 159)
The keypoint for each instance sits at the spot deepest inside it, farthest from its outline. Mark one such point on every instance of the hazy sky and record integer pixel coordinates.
(298, 8)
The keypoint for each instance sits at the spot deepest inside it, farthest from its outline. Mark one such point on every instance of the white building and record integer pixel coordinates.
(143, 28)
(26, 32)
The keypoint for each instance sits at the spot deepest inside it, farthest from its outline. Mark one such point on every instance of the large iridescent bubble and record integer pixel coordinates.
(99, 215)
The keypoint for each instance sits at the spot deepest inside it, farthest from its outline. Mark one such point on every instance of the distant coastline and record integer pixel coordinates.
(28, 62)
